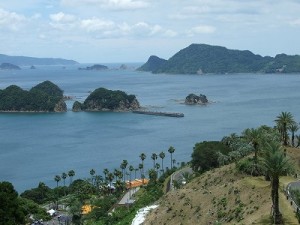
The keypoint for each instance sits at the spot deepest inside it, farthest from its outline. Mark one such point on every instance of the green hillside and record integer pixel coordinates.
(204, 59)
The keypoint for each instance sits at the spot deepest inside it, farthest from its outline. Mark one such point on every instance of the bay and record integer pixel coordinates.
(37, 146)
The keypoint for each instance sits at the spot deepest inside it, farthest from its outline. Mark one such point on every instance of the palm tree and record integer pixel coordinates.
(92, 173)
(123, 167)
(131, 168)
(162, 156)
(284, 120)
(253, 136)
(275, 164)
(141, 166)
(57, 178)
(154, 157)
(64, 176)
(293, 128)
(143, 157)
(105, 172)
(171, 150)
(135, 170)
(71, 174)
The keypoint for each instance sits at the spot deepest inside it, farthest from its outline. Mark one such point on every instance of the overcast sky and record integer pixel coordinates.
(132, 30)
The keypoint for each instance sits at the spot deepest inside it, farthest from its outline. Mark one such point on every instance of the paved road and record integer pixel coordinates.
(127, 198)
(178, 176)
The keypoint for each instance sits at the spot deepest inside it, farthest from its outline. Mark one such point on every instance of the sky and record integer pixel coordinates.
(111, 31)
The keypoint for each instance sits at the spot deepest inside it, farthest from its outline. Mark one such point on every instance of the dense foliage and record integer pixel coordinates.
(43, 97)
(104, 99)
(201, 58)
(10, 211)
(205, 155)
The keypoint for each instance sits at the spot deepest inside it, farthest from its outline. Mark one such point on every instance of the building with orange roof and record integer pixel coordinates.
(136, 183)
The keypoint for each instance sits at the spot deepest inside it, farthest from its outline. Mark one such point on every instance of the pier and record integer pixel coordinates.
(154, 113)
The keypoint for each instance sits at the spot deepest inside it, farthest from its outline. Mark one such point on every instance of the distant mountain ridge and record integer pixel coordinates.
(204, 59)
(28, 61)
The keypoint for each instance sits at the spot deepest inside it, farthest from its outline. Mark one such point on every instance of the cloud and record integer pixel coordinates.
(95, 24)
(201, 29)
(11, 20)
(62, 17)
(108, 4)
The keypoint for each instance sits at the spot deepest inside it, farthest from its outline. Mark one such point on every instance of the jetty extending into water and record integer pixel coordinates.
(155, 113)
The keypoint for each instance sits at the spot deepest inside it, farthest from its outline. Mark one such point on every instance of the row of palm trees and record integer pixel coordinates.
(64, 176)
(120, 175)
(285, 122)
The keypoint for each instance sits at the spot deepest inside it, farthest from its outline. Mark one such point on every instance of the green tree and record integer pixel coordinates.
(143, 157)
(162, 156)
(10, 210)
(283, 121)
(57, 179)
(71, 174)
(123, 166)
(205, 155)
(154, 157)
(105, 172)
(131, 168)
(64, 177)
(275, 164)
(293, 128)
(171, 150)
(253, 136)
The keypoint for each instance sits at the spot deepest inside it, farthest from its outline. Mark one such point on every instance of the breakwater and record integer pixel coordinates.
(155, 113)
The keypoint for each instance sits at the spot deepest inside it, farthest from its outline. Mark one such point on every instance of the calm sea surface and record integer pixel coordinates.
(36, 147)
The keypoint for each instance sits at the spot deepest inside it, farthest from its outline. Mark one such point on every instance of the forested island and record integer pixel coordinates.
(206, 59)
(44, 97)
(103, 99)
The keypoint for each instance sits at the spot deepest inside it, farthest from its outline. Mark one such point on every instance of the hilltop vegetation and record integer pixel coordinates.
(103, 99)
(203, 59)
(44, 97)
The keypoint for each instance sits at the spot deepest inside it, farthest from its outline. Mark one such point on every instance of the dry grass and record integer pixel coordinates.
(223, 195)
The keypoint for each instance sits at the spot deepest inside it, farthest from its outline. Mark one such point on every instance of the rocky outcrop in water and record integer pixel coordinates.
(193, 99)
(103, 99)
(95, 67)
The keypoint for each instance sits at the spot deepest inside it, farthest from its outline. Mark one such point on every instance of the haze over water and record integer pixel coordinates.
(37, 146)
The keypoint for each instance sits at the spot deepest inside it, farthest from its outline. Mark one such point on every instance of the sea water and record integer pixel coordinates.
(37, 146)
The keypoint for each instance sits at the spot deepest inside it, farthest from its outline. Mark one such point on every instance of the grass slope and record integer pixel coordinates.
(223, 196)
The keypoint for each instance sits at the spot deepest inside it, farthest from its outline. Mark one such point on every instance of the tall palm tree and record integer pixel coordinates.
(123, 167)
(171, 150)
(154, 157)
(92, 173)
(293, 128)
(71, 174)
(135, 170)
(162, 156)
(131, 168)
(283, 121)
(141, 166)
(143, 157)
(64, 176)
(275, 164)
(57, 178)
(105, 172)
